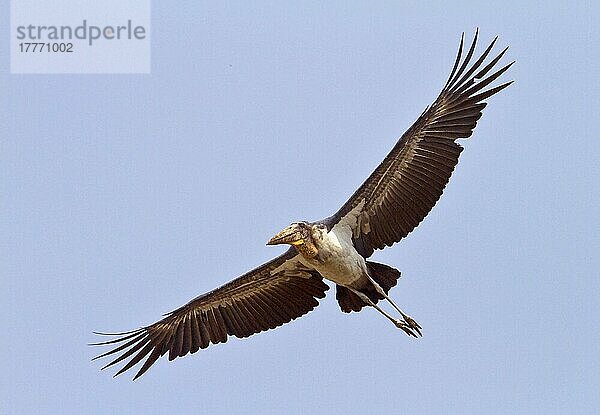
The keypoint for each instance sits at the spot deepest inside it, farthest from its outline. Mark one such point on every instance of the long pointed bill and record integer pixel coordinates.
(292, 235)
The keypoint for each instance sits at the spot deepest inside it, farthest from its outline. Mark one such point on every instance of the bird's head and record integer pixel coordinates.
(300, 235)
(295, 234)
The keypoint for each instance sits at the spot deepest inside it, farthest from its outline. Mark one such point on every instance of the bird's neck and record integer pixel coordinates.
(307, 248)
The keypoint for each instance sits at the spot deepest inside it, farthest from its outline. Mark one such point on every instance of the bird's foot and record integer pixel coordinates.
(408, 320)
(407, 328)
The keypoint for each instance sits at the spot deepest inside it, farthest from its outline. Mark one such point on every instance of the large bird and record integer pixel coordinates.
(386, 207)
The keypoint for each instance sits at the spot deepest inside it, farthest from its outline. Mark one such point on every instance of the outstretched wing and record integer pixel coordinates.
(269, 296)
(409, 181)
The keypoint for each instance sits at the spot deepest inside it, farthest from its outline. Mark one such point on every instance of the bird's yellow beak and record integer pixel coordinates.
(292, 235)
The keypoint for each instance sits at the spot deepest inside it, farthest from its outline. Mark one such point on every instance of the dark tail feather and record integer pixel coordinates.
(386, 277)
(348, 300)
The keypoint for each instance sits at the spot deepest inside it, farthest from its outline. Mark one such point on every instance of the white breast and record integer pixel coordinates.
(338, 259)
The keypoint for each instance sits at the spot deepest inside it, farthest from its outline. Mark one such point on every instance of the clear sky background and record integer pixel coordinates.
(124, 196)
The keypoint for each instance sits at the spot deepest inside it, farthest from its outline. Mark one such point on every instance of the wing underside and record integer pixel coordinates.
(409, 181)
(267, 297)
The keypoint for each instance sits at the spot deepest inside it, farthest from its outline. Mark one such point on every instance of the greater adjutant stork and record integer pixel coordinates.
(386, 207)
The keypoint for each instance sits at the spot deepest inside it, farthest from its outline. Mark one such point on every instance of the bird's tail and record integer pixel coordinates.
(384, 275)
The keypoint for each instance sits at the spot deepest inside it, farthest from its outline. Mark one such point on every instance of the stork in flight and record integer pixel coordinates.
(393, 200)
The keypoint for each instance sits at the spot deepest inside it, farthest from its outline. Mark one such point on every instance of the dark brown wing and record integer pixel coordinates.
(269, 296)
(409, 181)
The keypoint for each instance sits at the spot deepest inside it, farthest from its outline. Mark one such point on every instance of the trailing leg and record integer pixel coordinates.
(401, 324)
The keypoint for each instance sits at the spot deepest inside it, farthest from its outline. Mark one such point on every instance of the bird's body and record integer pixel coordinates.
(393, 200)
(336, 260)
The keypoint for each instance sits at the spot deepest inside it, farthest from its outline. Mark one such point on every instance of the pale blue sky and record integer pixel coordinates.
(123, 196)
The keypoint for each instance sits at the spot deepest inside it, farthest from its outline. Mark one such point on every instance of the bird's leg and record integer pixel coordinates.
(405, 326)
(408, 319)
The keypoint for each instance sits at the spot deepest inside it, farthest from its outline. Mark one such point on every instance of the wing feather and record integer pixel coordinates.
(410, 180)
(260, 300)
